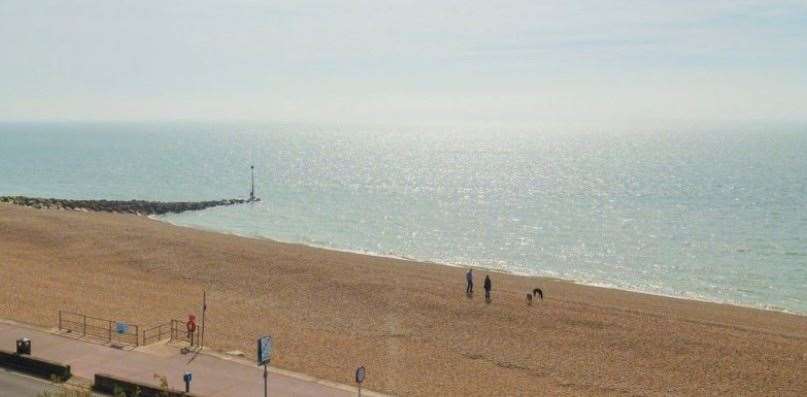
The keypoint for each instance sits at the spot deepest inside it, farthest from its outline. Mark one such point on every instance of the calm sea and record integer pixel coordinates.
(713, 215)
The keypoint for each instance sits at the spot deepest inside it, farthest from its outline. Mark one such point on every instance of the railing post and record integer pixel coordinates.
(60, 320)
(109, 330)
(84, 330)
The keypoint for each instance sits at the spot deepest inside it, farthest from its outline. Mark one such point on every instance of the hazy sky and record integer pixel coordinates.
(404, 61)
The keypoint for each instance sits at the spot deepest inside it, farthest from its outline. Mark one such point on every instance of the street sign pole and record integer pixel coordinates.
(360, 374)
(265, 381)
(264, 357)
(187, 378)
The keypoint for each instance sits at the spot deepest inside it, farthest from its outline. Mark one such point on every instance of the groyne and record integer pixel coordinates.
(138, 207)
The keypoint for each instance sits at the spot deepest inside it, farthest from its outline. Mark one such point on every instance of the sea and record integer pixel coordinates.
(713, 214)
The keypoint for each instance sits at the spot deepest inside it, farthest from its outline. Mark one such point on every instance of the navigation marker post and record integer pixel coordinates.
(252, 191)
(360, 373)
(264, 356)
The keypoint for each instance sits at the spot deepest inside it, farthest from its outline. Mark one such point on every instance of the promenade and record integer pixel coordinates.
(213, 375)
(19, 385)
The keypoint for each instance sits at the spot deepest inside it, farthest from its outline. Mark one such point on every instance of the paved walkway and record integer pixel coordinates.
(14, 384)
(212, 375)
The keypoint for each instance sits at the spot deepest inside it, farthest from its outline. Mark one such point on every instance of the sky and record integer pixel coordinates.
(470, 61)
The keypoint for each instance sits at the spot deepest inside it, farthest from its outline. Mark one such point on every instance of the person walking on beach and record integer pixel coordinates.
(469, 278)
(488, 287)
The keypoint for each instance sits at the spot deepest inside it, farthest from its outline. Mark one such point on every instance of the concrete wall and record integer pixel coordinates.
(34, 366)
(107, 383)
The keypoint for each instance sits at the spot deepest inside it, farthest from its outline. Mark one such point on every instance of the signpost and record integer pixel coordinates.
(187, 378)
(360, 373)
(264, 356)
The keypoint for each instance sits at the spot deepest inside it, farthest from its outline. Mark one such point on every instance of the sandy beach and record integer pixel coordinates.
(410, 324)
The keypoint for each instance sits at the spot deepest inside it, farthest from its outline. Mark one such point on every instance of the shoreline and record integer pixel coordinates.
(606, 285)
(409, 323)
(155, 209)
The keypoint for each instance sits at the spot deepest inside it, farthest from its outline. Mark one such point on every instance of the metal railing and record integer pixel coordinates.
(99, 328)
(108, 330)
(157, 333)
(179, 332)
(174, 330)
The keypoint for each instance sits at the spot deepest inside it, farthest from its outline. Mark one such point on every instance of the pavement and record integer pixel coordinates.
(17, 385)
(213, 374)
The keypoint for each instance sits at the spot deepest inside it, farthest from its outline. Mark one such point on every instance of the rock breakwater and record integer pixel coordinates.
(138, 207)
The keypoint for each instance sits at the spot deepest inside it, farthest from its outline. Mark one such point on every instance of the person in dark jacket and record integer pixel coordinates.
(488, 287)
(469, 278)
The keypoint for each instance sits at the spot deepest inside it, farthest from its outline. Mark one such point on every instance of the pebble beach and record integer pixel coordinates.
(409, 323)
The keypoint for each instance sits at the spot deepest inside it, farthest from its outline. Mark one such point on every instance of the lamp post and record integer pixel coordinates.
(204, 309)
